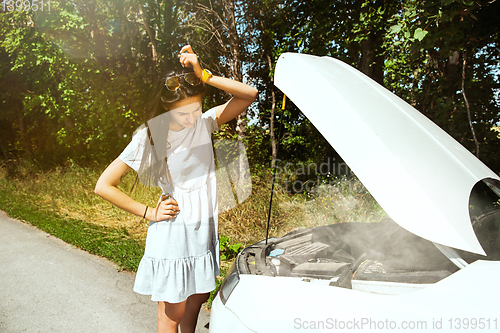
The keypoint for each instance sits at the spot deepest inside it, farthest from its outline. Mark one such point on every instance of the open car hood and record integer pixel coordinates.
(419, 174)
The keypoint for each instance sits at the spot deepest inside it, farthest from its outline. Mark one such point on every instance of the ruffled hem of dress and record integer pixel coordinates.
(174, 280)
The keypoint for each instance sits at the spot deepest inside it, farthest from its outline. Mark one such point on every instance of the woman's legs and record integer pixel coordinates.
(194, 302)
(170, 316)
(185, 314)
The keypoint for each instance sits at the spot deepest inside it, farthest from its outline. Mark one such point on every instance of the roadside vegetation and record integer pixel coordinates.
(62, 202)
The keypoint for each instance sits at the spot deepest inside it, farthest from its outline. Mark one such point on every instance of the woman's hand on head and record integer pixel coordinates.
(188, 58)
(243, 95)
(167, 208)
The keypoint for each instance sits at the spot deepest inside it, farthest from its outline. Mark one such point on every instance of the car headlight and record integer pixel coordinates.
(230, 281)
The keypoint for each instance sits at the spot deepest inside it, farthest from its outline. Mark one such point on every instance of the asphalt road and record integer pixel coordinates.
(46, 285)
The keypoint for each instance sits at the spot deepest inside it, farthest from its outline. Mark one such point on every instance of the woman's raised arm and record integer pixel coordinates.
(243, 94)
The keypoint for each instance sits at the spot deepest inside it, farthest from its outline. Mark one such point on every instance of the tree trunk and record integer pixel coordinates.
(151, 35)
(274, 145)
(469, 117)
(234, 48)
(89, 8)
(22, 129)
(371, 63)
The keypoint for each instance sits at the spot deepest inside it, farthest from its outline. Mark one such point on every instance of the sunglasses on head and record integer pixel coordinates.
(173, 83)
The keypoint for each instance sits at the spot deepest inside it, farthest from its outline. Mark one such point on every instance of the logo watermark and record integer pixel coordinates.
(434, 324)
(326, 178)
(329, 167)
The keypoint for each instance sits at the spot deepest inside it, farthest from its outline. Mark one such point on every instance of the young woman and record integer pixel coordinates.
(173, 150)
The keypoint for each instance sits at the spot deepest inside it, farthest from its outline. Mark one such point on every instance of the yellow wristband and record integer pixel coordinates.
(205, 75)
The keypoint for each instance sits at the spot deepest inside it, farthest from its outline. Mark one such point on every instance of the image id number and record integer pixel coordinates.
(26, 5)
(473, 323)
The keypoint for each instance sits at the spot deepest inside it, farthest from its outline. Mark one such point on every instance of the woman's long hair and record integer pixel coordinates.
(154, 168)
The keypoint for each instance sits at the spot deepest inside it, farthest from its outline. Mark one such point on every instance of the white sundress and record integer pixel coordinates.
(182, 254)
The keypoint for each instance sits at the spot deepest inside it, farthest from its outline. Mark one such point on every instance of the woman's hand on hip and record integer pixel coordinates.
(167, 208)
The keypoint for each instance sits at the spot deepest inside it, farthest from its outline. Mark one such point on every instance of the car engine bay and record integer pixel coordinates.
(375, 257)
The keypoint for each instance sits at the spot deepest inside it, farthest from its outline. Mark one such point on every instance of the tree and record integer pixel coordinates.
(444, 63)
(216, 24)
(422, 51)
(74, 79)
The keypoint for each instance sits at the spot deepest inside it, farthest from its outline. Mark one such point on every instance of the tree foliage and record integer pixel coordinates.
(73, 80)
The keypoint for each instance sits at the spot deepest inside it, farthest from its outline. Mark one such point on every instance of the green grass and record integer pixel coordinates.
(116, 244)
(62, 203)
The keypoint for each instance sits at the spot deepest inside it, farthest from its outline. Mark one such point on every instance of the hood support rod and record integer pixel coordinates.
(274, 168)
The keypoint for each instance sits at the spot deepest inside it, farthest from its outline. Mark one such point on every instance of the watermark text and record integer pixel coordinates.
(445, 324)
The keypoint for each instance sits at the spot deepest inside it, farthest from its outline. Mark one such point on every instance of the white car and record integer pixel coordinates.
(427, 269)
